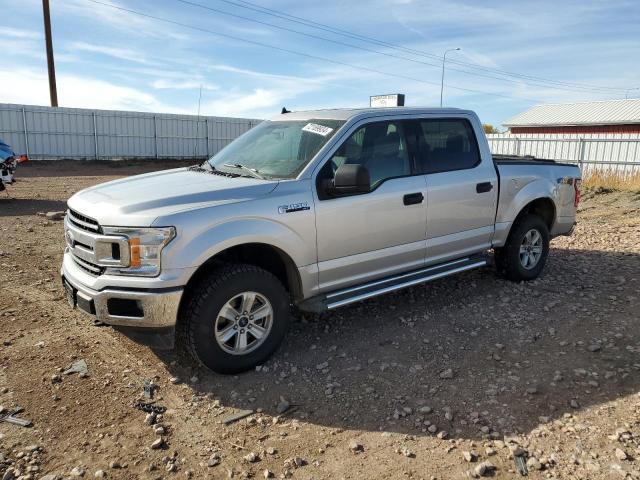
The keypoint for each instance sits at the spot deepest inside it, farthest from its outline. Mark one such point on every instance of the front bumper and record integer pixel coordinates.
(144, 308)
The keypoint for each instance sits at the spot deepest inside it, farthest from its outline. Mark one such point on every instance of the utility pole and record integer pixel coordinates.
(444, 58)
(53, 91)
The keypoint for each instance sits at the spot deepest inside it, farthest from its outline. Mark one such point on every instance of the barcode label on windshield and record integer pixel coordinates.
(317, 129)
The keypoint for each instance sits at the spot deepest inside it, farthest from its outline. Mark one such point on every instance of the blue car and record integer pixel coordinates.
(8, 164)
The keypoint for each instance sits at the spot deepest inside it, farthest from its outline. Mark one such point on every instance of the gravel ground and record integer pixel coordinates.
(445, 380)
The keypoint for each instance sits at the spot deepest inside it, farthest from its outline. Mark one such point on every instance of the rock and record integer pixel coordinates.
(55, 378)
(54, 215)
(483, 469)
(99, 474)
(294, 462)
(574, 403)
(470, 456)
(442, 435)
(150, 419)
(174, 380)
(283, 406)
(271, 451)
(355, 446)
(594, 348)
(77, 472)
(50, 476)
(620, 454)
(214, 460)
(425, 410)
(534, 464)
(267, 473)
(406, 452)
(158, 444)
(114, 464)
(159, 430)
(447, 374)
(251, 457)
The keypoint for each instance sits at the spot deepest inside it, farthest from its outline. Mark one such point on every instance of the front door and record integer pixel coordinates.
(378, 233)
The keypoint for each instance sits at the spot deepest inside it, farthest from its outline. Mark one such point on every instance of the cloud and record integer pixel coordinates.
(19, 33)
(173, 84)
(127, 54)
(31, 87)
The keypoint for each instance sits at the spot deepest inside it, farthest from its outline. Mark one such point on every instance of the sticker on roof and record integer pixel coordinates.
(317, 129)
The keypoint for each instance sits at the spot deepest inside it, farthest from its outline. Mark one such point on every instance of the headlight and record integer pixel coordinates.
(145, 246)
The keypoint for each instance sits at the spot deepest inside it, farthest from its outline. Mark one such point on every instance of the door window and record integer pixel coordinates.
(446, 144)
(380, 147)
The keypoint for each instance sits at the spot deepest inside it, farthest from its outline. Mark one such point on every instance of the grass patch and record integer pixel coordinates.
(607, 182)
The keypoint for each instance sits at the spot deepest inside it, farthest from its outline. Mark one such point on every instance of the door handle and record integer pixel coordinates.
(413, 198)
(484, 187)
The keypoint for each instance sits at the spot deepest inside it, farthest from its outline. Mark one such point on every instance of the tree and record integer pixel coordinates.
(488, 128)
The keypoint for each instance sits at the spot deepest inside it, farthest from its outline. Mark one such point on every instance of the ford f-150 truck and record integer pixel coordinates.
(315, 209)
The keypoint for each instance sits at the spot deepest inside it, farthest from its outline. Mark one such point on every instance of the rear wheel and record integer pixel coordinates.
(525, 253)
(235, 319)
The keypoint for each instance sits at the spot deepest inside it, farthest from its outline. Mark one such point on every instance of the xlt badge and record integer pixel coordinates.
(294, 207)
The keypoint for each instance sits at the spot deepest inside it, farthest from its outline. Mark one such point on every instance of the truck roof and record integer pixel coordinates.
(349, 113)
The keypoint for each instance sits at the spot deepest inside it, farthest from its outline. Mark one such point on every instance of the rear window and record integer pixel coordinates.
(446, 144)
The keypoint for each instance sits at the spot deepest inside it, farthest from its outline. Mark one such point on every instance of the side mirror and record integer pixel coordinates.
(23, 158)
(351, 179)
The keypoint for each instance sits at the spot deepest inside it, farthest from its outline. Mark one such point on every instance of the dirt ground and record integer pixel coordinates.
(404, 386)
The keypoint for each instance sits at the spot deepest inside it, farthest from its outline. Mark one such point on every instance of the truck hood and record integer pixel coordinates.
(139, 200)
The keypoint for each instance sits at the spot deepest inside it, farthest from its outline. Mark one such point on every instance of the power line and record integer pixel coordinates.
(363, 38)
(302, 54)
(378, 52)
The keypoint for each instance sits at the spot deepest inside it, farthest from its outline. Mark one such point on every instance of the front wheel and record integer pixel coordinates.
(525, 253)
(235, 319)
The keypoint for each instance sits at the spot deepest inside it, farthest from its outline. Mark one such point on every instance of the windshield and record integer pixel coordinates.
(278, 149)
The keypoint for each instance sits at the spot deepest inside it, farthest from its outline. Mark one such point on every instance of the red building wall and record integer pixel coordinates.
(630, 128)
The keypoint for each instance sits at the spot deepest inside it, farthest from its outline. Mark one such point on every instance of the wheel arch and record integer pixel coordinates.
(262, 255)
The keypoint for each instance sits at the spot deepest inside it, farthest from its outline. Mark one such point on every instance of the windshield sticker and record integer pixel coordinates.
(317, 129)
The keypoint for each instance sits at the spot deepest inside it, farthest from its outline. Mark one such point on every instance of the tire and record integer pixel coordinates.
(202, 329)
(509, 261)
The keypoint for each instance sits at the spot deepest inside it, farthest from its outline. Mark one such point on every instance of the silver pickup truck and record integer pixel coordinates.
(315, 209)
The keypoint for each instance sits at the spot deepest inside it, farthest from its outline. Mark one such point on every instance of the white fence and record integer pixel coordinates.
(77, 133)
(619, 154)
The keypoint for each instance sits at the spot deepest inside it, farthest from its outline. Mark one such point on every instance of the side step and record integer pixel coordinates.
(357, 293)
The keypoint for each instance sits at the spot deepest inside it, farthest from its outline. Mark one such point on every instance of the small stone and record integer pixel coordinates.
(469, 456)
(283, 406)
(355, 446)
(483, 469)
(150, 419)
(534, 464)
(174, 380)
(621, 454)
(594, 348)
(574, 403)
(425, 410)
(114, 464)
(251, 457)
(447, 374)
(267, 473)
(55, 378)
(158, 444)
(271, 451)
(77, 472)
(54, 215)
(214, 460)
(99, 474)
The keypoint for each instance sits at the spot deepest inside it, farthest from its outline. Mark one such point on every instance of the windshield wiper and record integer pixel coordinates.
(251, 171)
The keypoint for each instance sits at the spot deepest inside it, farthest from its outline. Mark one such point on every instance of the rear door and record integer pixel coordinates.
(378, 233)
(462, 189)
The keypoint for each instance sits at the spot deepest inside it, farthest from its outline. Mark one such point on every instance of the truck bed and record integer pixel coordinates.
(525, 160)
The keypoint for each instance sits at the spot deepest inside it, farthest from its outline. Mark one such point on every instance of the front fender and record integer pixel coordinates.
(197, 250)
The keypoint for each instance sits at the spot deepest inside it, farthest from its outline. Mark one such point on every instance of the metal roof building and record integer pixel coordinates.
(608, 116)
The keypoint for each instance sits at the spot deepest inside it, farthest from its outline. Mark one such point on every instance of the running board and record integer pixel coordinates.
(357, 293)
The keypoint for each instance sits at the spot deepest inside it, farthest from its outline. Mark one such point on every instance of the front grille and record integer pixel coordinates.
(85, 223)
(88, 267)
(82, 247)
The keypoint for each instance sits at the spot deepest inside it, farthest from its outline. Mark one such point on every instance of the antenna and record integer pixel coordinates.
(195, 144)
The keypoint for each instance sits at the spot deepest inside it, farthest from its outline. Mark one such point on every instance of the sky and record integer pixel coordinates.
(250, 62)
